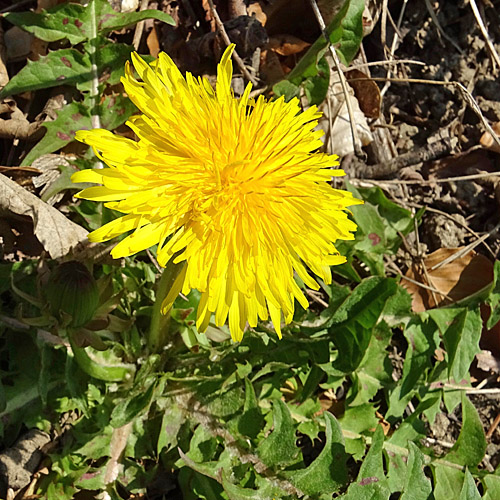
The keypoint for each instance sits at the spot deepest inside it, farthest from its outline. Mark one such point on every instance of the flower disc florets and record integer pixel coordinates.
(232, 187)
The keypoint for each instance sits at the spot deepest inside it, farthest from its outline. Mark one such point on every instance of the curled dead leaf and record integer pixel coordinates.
(56, 233)
(487, 362)
(487, 140)
(270, 67)
(256, 10)
(451, 282)
(336, 124)
(153, 43)
(366, 91)
(287, 45)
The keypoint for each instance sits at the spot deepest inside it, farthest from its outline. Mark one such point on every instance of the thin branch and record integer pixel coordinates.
(440, 29)
(429, 182)
(394, 43)
(16, 6)
(426, 287)
(470, 390)
(139, 29)
(94, 90)
(94, 83)
(486, 36)
(493, 427)
(455, 220)
(394, 62)
(42, 335)
(227, 41)
(355, 138)
(444, 444)
(465, 250)
(430, 152)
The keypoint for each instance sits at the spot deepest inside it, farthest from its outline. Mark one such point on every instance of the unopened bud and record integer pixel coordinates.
(72, 290)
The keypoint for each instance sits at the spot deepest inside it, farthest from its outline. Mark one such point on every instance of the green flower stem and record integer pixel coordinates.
(158, 329)
(107, 372)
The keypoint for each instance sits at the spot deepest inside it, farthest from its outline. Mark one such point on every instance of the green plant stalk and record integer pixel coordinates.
(158, 330)
(101, 371)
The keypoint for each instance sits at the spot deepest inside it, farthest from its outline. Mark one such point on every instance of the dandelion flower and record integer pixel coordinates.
(231, 187)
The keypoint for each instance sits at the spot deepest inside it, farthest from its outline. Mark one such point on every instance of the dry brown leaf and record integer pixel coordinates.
(236, 8)
(4, 75)
(48, 167)
(208, 15)
(56, 233)
(153, 43)
(335, 113)
(287, 45)
(487, 362)
(366, 91)
(118, 443)
(270, 67)
(386, 426)
(468, 162)
(487, 140)
(255, 10)
(453, 281)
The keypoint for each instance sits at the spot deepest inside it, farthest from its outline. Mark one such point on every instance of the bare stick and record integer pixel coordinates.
(455, 220)
(94, 82)
(139, 29)
(393, 45)
(355, 139)
(384, 63)
(383, 21)
(421, 285)
(471, 390)
(429, 182)
(440, 29)
(227, 41)
(465, 250)
(433, 151)
(494, 425)
(486, 36)
(15, 6)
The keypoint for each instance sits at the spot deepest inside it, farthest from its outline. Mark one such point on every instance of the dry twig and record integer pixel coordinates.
(355, 139)
(493, 427)
(439, 27)
(139, 29)
(486, 36)
(455, 220)
(427, 182)
(394, 43)
(429, 152)
(465, 250)
(227, 41)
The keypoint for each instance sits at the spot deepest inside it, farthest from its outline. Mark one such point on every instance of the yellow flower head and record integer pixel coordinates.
(233, 186)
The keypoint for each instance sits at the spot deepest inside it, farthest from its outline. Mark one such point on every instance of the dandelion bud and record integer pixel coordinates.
(72, 290)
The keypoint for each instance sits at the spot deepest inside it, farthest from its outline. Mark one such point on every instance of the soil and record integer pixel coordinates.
(418, 113)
